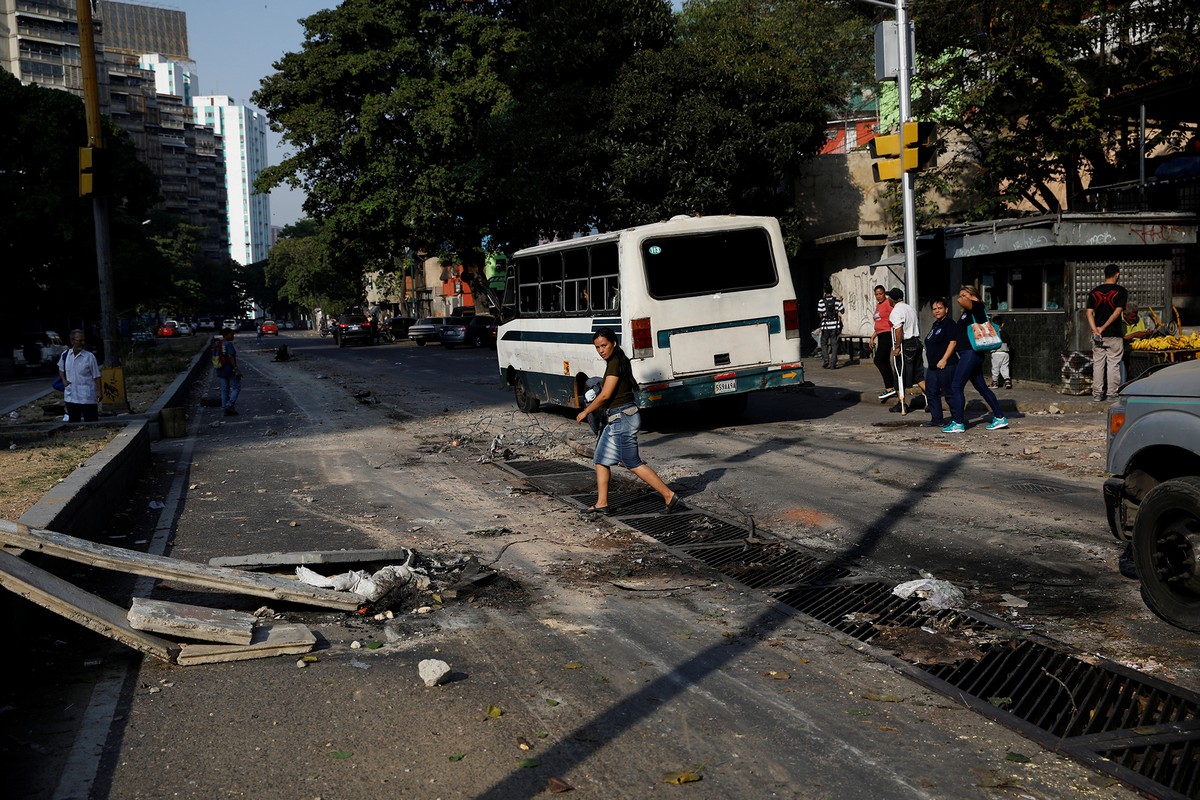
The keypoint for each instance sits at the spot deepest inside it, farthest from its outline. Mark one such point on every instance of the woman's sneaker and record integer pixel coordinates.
(886, 394)
(954, 427)
(997, 423)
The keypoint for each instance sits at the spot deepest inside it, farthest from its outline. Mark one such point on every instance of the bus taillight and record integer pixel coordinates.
(791, 319)
(643, 345)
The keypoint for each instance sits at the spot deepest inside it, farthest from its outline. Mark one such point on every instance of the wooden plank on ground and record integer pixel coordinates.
(184, 621)
(269, 640)
(122, 560)
(394, 556)
(68, 600)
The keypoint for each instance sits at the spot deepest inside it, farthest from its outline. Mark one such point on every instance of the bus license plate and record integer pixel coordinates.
(725, 387)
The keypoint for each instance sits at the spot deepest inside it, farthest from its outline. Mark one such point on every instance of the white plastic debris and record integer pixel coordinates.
(1012, 601)
(935, 594)
(370, 587)
(433, 671)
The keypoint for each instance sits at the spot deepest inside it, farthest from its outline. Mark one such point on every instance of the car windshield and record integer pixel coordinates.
(356, 318)
(430, 321)
(456, 321)
(270, 322)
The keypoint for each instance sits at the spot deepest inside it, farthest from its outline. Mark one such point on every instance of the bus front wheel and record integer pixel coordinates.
(525, 400)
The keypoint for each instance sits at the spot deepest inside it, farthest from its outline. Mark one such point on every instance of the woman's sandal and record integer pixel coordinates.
(593, 510)
(673, 503)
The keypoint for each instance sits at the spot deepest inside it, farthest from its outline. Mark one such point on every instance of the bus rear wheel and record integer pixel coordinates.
(525, 400)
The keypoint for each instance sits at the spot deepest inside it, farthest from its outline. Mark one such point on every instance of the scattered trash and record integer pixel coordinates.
(157, 504)
(433, 671)
(359, 664)
(682, 776)
(1012, 601)
(301, 664)
(371, 587)
(13, 415)
(355, 645)
(934, 594)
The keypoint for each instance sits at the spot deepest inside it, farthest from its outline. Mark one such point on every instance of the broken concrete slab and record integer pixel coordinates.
(269, 640)
(68, 600)
(120, 559)
(191, 622)
(251, 560)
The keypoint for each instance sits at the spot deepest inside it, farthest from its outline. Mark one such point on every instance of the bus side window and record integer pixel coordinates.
(552, 277)
(605, 281)
(575, 273)
(527, 286)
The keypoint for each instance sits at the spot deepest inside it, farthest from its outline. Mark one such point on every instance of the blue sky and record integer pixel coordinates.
(234, 43)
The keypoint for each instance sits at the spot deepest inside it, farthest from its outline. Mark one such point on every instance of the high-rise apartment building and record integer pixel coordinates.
(132, 29)
(39, 44)
(245, 133)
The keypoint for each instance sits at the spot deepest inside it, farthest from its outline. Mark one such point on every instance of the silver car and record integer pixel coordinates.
(427, 329)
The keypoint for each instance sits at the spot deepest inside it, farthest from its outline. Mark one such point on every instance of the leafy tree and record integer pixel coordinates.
(301, 266)
(549, 159)
(1020, 82)
(47, 234)
(384, 105)
(720, 121)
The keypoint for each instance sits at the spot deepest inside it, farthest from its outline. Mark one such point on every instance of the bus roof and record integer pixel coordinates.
(677, 224)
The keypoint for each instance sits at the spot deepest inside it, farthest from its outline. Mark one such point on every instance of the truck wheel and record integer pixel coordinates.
(525, 401)
(1166, 549)
(420, 342)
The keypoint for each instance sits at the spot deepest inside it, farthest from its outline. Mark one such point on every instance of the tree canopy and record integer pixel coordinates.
(439, 125)
(1021, 82)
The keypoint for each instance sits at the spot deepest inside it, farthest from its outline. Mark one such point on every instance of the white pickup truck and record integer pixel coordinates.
(1153, 498)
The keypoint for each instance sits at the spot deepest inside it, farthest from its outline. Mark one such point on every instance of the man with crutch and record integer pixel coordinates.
(906, 347)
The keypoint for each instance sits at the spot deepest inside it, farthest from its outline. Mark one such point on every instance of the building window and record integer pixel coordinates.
(1028, 287)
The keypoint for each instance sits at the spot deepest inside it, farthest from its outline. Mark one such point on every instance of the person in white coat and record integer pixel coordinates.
(80, 375)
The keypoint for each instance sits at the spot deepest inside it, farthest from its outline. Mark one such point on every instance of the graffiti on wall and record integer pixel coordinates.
(856, 287)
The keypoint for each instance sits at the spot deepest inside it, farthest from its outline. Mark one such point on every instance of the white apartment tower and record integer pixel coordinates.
(245, 133)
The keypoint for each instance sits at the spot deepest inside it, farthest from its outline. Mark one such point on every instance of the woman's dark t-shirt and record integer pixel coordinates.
(619, 365)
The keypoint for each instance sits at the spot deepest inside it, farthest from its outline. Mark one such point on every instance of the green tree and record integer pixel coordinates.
(720, 121)
(384, 105)
(301, 267)
(1020, 83)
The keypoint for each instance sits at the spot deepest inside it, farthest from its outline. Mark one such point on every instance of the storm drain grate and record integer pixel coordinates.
(682, 529)
(534, 468)
(1134, 727)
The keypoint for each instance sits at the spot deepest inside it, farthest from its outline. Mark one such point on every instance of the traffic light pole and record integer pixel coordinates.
(91, 102)
(908, 178)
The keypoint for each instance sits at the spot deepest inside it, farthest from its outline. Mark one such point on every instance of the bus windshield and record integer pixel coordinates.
(708, 263)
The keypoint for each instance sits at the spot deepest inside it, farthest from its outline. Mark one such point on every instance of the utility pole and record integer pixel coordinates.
(102, 178)
(905, 143)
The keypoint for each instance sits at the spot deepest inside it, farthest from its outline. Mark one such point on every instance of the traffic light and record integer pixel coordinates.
(918, 153)
(91, 171)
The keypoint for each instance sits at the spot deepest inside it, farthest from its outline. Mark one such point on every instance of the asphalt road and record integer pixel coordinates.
(612, 687)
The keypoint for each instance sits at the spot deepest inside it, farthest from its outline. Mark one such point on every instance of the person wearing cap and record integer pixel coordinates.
(1132, 327)
(906, 343)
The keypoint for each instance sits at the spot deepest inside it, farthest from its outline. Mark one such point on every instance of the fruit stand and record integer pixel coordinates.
(1141, 354)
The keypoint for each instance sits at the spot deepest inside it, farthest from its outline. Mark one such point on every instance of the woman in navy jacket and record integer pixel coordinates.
(970, 367)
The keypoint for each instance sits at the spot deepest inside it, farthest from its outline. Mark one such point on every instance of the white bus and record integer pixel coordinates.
(703, 306)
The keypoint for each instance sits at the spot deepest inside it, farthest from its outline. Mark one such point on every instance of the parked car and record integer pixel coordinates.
(400, 326)
(168, 329)
(1153, 498)
(270, 328)
(353, 328)
(185, 329)
(37, 349)
(205, 325)
(473, 331)
(231, 325)
(288, 325)
(427, 329)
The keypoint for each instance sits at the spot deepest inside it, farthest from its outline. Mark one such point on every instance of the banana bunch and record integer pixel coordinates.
(1187, 342)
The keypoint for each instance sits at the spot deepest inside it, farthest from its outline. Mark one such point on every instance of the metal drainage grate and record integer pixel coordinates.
(534, 468)
(1141, 730)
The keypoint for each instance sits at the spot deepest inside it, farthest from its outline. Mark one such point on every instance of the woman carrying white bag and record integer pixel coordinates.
(976, 337)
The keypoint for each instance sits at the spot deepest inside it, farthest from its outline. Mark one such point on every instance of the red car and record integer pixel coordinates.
(169, 328)
(269, 328)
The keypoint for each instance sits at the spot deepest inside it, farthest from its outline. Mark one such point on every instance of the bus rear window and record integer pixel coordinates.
(707, 263)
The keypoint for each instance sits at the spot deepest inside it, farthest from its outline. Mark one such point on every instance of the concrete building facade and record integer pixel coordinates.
(245, 134)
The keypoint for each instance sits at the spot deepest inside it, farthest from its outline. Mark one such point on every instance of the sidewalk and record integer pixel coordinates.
(860, 382)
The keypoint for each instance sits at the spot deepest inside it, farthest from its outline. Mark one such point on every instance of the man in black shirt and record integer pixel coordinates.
(1104, 306)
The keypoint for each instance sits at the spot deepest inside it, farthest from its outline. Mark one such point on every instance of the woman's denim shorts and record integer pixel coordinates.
(618, 442)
